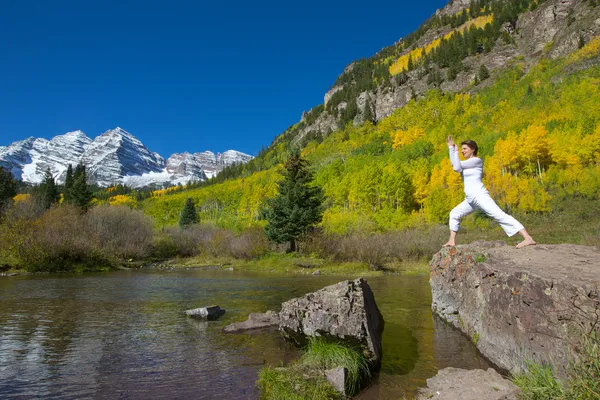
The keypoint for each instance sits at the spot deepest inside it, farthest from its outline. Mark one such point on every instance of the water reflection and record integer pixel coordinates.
(123, 334)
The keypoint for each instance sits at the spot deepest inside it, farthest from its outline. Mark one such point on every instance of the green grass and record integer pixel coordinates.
(292, 384)
(581, 383)
(539, 383)
(304, 379)
(297, 264)
(325, 355)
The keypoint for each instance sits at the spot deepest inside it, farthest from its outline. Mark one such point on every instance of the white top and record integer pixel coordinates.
(471, 171)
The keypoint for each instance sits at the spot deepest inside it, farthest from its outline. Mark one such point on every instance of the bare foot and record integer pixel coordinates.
(526, 242)
(449, 244)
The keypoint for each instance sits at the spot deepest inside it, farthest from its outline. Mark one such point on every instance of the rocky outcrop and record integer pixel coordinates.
(254, 321)
(477, 384)
(346, 311)
(518, 305)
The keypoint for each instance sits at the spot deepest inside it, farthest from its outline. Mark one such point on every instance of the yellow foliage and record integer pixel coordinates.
(162, 192)
(403, 137)
(402, 62)
(122, 200)
(21, 197)
(589, 50)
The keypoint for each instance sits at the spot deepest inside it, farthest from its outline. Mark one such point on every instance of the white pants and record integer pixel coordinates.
(485, 203)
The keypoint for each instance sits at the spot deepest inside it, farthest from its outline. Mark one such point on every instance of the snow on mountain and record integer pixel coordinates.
(213, 163)
(116, 156)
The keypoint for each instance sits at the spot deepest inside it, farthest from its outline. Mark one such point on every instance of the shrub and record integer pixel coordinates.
(123, 232)
(251, 244)
(64, 239)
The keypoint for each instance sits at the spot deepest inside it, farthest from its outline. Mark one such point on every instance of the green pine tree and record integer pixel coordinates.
(188, 215)
(581, 41)
(67, 192)
(48, 191)
(8, 187)
(368, 114)
(483, 73)
(297, 206)
(410, 66)
(81, 196)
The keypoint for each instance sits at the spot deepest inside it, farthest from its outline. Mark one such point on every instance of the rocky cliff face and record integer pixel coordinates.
(518, 305)
(116, 156)
(551, 30)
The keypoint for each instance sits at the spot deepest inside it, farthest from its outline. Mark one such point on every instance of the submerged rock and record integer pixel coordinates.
(210, 312)
(477, 384)
(345, 311)
(254, 321)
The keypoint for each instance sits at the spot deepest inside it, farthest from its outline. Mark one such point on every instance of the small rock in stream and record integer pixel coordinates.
(210, 312)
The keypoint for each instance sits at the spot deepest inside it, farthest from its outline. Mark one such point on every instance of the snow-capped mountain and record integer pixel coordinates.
(213, 163)
(116, 156)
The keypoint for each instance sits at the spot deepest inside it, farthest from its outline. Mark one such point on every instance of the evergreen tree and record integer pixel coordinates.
(368, 115)
(581, 41)
(8, 187)
(410, 64)
(81, 196)
(48, 191)
(188, 215)
(435, 77)
(297, 206)
(452, 72)
(67, 193)
(483, 73)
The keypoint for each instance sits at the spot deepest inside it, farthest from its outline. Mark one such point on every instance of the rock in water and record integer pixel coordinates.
(254, 321)
(517, 305)
(477, 384)
(345, 311)
(210, 312)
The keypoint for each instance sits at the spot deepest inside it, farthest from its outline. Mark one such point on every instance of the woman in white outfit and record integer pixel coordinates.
(477, 196)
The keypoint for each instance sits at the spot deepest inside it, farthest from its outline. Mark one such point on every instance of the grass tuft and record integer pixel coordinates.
(325, 355)
(582, 382)
(304, 379)
(539, 383)
(292, 384)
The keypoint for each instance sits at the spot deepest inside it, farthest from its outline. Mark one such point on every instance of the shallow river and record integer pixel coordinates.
(123, 335)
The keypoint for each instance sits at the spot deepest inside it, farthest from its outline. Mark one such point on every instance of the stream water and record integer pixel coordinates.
(124, 335)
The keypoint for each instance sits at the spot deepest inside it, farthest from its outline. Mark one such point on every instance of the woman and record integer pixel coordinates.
(477, 196)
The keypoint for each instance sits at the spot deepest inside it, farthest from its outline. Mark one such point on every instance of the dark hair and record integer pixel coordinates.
(472, 145)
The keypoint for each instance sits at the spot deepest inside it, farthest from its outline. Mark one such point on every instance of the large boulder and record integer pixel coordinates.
(516, 305)
(345, 311)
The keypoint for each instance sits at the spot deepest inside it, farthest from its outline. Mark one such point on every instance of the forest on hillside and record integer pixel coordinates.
(538, 131)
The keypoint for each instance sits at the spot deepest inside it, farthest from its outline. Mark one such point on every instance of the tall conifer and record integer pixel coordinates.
(48, 191)
(80, 193)
(297, 206)
(67, 193)
(8, 187)
(188, 215)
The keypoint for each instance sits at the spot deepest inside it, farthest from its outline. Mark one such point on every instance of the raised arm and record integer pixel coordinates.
(454, 159)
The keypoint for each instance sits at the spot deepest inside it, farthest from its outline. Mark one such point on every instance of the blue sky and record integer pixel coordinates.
(183, 75)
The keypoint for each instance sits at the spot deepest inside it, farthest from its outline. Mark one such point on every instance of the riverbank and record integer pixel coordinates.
(272, 263)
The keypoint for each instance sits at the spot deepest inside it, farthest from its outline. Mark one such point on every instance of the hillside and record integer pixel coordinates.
(532, 110)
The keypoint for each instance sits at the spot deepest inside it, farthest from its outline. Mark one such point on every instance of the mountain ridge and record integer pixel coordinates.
(115, 156)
